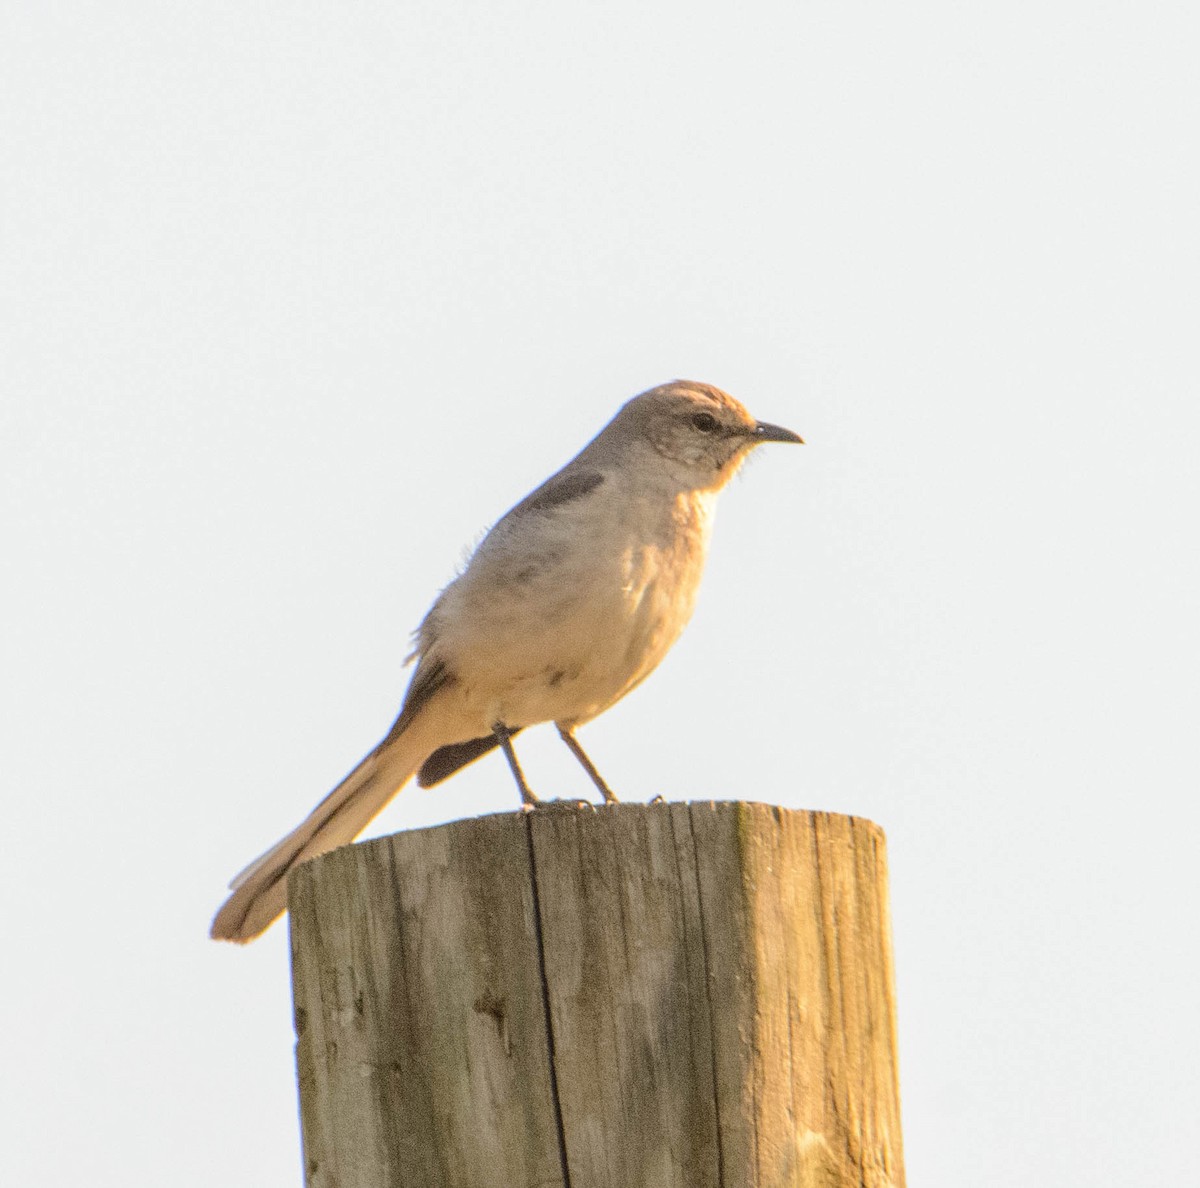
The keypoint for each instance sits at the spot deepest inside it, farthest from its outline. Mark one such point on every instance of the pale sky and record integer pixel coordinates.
(296, 300)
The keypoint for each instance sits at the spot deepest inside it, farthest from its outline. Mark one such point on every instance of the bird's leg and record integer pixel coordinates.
(567, 734)
(503, 737)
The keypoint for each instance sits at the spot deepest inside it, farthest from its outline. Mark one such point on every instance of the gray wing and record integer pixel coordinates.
(565, 487)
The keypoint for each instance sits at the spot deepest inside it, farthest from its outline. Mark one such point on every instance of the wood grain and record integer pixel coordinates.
(660, 996)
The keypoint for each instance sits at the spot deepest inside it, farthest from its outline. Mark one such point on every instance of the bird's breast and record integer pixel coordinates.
(583, 612)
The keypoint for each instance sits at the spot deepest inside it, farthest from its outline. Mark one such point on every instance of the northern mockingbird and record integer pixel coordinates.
(569, 602)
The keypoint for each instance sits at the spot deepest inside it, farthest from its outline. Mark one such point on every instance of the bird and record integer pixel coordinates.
(566, 605)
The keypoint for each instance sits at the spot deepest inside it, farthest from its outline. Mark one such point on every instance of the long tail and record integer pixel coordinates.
(260, 891)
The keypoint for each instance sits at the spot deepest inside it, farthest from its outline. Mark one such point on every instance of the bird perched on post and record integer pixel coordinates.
(568, 603)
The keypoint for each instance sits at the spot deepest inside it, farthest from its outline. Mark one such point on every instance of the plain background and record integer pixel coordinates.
(295, 300)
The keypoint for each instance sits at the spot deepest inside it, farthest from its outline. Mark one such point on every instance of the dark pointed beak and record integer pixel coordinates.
(765, 432)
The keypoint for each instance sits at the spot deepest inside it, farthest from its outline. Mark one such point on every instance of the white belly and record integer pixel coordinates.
(568, 634)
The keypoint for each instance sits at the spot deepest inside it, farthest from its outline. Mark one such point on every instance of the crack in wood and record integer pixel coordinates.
(559, 1126)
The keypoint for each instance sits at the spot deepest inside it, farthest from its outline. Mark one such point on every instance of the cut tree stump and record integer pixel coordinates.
(634, 996)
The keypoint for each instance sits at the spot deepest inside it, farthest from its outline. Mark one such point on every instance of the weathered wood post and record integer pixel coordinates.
(639, 996)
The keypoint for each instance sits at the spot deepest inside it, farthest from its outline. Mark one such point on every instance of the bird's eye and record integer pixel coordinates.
(704, 421)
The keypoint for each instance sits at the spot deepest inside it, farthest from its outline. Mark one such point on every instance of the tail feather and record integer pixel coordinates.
(445, 761)
(260, 891)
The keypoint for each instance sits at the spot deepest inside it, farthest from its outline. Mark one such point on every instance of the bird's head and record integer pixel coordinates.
(701, 427)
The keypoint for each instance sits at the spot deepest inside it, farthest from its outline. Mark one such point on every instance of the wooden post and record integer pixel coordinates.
(639, 996)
